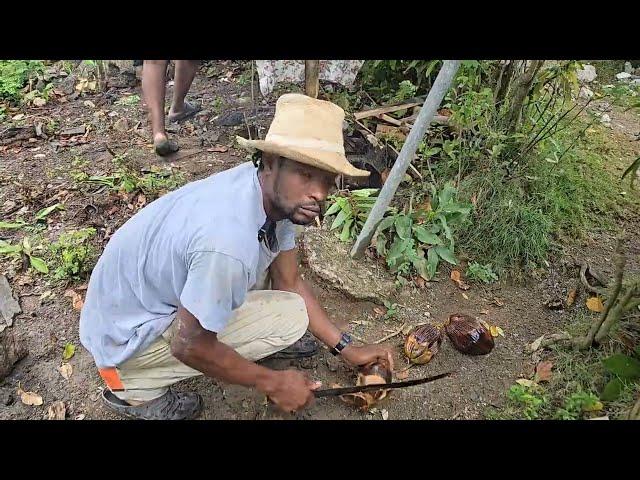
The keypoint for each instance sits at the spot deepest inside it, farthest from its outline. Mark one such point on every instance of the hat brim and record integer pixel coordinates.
(329, 161)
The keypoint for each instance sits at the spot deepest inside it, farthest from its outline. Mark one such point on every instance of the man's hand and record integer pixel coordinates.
(290, 390)
(358, 356)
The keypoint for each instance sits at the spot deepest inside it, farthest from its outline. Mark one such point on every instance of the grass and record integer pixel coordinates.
(577, 381)
(520, 221)
(14, 75)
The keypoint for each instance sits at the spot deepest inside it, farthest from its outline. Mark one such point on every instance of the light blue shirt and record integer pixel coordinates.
(196, 246)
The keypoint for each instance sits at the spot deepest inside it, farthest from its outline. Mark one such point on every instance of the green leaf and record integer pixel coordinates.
(425, 236)
(339, 220)
(386, 223)
(446, 254)
(396, 252)
(332, 209)
(623, 366)
(69, 350)
(42, 214)
(10, 226)
(403, 226)
(364, 192)
(432, 263)
(7, 248)
(611, 390)
(38, 264)
(422, 267)
(445, 227)
(346, 230)
(637, 351)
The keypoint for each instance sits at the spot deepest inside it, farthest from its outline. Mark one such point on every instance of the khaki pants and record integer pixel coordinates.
(267, 322)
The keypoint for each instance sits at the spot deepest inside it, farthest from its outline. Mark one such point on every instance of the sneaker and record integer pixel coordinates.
(170, 406)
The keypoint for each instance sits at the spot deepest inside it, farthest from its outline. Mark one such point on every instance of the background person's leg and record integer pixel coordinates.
(153, 88)
(185, 73)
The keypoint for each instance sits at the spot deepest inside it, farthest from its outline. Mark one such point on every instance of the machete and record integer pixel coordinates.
(334, 392)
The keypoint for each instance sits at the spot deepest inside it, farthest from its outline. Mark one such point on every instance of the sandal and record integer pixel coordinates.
(189, 111)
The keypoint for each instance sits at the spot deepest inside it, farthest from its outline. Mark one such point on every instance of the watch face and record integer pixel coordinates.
(346, 338)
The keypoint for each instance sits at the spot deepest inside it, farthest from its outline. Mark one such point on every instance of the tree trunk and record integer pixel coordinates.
(11, 351)
(520, 92)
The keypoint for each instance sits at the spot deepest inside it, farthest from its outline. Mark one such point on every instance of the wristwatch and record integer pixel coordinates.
(345, 339)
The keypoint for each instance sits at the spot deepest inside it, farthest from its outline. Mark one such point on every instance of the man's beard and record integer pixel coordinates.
(292, 213)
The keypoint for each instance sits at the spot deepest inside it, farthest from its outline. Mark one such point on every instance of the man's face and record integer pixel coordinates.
(298, 189)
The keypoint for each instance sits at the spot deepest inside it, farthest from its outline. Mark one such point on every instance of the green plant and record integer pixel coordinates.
(382, 78)
(482, 273)
(351, 211)
(418, 240)
(578, 403)
(129, 100)
(625, 369)
(24, 248)
(392, 310)
(406, 90)
(530, 400)
(14, 74)
(74, 254)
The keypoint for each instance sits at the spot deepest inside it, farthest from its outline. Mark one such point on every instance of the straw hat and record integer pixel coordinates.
(308, 131)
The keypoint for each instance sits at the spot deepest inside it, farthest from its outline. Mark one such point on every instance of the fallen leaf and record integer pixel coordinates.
(80, 417)
(543, 371)
(141, 201)
(76, 299)
(82, 287)
(385, 414)
(378, 310)
(89, 103)
(402, 374)
(39, 102)
(484, 312)
(485, 325)
(19, 116)
(29, 398)
(57, 411)
(571, 297)
(595, 304)
(498, 302)
(456, 277)
(218, 148)
(69, 350)
(525, 383)
(596, 407)
(535, 345)
(495, 331)
(465, 296)
(113, 210)
(65, 370)
(419, 281)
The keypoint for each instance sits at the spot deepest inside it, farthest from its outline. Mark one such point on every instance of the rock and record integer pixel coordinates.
(585, 93)
(121, 125)
(6, 397)
(627, 67)
(623, 76)
(328, 258)
(635, 81)
(8, 206)
(243, 101)
(11, 351)
(587, 74)
(230, 119)
(605, 119)
(9, 306)
(68, 85)
(70, 132)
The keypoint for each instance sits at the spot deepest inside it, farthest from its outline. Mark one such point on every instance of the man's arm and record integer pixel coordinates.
(200, 349)
(285, 276)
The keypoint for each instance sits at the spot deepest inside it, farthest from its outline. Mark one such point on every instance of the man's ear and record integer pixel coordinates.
(270, 160)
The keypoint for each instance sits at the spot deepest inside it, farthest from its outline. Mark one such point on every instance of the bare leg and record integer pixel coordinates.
(153, 88)
(185, 73)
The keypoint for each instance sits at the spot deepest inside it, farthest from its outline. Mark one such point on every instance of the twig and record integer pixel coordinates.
(391, 335)
(585, 282)
(378, 111)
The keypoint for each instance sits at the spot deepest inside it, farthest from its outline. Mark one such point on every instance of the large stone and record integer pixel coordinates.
(587, 74)
(9, 306)
(11, 351)
(623, 76)
(585, 93)
(328, 258)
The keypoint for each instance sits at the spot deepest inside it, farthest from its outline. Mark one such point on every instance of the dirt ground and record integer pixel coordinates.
(30, 179)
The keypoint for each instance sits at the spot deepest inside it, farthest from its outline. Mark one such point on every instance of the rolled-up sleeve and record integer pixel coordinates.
(216, 285)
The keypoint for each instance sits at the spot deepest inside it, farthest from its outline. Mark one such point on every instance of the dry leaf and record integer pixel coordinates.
(485, 324)
(419, 281)
(29, 398)
(378, 310)
(536, 343)
(80, 417)
(525, 383)
(484, 312)
(402, 374)
(113, 210)
(218, 148)
(141, 201)
(498, 302)
(595, 304)
(65, 370)
(57, 411)
(465, 296)
(543, 371)
(76, 299)
(571, 297)
(456, 277)
(495, 331)
(385, 414)
(39, 102)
